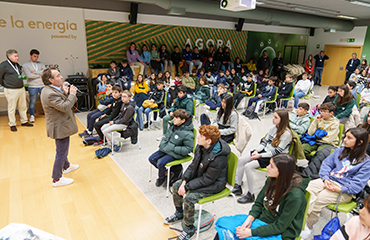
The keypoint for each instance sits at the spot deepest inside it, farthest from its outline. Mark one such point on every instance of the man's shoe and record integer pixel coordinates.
(32, 119)
(71, 168)
(187, 233)
(63, 182)
(13, 128)
(248, 198)
(173, 218)
(237, 190)
(160, 138)
(27, 124)
(159, 181)
(118, 147)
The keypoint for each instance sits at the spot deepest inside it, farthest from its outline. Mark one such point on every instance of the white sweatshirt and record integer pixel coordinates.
(304, 85)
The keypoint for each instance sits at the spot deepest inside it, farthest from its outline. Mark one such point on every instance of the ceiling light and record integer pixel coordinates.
(305, 10)
(346, 17)
(364, 4)
(260, 3)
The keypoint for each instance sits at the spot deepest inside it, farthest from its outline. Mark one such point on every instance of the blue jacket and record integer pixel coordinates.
(312, 139)
(126, 71)
(221, 80)
(145, 56)
(107, 100)
(352, 178)
(187, 56)
(352, 64)
(268, 91)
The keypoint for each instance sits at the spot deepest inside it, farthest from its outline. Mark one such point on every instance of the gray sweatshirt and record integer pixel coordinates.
(268, 149)
(232, 123)
(34, 79)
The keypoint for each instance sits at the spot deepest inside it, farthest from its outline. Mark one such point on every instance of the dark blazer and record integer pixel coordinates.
(60, 119)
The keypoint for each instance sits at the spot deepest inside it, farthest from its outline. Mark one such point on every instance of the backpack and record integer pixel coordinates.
(249, 111)
(102, 152)
(89, 140)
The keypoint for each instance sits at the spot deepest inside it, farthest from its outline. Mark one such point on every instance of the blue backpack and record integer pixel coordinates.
(102, 152)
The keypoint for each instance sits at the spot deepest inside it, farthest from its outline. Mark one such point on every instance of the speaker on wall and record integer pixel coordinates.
(133, 13)
(239, 26)
(312, 32)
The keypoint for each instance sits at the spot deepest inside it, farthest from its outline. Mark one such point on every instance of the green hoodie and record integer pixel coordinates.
(288, 219)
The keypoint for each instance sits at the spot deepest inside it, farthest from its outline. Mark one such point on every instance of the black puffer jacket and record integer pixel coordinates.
(208, 171)
(313, 168)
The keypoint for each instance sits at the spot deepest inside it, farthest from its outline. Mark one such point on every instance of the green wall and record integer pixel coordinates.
(366, 48)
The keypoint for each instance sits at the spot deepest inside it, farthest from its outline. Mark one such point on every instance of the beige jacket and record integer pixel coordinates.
(188, 82)
(60, 119)
(330, 126)
(243, 134)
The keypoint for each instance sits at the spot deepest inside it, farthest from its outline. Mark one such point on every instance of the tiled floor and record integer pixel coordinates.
(134, 163)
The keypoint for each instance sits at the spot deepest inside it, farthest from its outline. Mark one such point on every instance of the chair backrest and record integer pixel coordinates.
(255, 89)
(340, 134)
(165, 99)
(194, 106)
(311, 119)
(292, 92)
(308, 197)
(195, 139)
(232, 162)
(358, 98)
(291, 148)
(275, 95)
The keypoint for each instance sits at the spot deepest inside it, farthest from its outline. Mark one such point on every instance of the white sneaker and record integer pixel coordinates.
(160, 138)
(63, 182)
(71, 168)
(32, 119)
(306, 233)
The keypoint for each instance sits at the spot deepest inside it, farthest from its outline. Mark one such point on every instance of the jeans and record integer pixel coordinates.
(61, 157)
(140, 116)
(360, 87)
(34, 93)
(165, 64)
(212, 105)
(191, 64)
(297, 95)
(159, 160)
(318, 75)
(91, 118)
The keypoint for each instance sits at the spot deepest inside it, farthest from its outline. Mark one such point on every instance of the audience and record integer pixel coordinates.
(165, 58)
(246, 90)
(114, 71)
(155, 60)
(126, 75)
(300, 121)
(145, 56)
(134, 58)
(301, 89)
(344, 102)
(285, 89)
(202, 92)
(215, 101)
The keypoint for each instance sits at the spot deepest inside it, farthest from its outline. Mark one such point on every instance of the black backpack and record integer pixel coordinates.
(249, 111)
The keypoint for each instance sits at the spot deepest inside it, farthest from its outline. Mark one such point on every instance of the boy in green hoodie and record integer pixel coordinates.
(326, 122)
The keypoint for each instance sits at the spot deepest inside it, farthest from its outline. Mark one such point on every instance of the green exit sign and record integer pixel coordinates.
(350, 40)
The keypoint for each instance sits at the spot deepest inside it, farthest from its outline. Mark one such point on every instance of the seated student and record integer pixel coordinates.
(301, 89)
(219, 56)
(182, 102)
(352, 88)
(226, 120)
(113, 92)
(177, 81)
(344, 102)
(366, 126)
(215, 100)
(111, 113)
(176, 59)
(246, 90)
(280, 204)
(358, 227)
(188, 82)
(145, 56)
(227, 60)
(266, 94)
(155, 60)
(205, 176)
(229, 78)
(121, 121)
(141, 90)
(151, 81)
(201, 72)
(156, 97)
(236, 79)
(126, 75)
(238, 65)
(284, 89)
(300, 121)
(211, 65)
(102, 87)
(332, 93)
(365, 96)
(355, 75)
(251, 66)
(324, 125)
(177, 144)
(220, 78)
(114, 71)
(263, 83)
(362, 81)
(259, 77)
(195, 77)
(202, 92)
(346, 170)
(277, 140)
(211, 80)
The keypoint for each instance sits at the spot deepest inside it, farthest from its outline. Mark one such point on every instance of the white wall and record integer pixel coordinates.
(24, 33)
(323, 38)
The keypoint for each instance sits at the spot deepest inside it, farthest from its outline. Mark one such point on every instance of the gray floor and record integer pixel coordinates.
(134, 163)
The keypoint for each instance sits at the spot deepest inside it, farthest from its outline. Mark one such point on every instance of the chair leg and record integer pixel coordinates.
(150, 173)
(264, 110)
(199, 219)
(112, 143)
(168, 180)
(232, 194)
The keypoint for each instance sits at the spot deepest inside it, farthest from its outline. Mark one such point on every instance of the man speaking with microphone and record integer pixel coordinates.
(57, 100)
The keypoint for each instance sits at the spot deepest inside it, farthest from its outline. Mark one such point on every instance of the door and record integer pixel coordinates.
(335, 67)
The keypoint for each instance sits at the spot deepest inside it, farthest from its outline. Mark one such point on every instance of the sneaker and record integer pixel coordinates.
(84, 134)
(269, 111)
(13, 128)
(159, 181)
(187, 233)
(32, 119)
(146, 125)
(237, 190)
(248, 198)
(27, 124)
(306, 233)
(71, 168)
(63, 182)
(134, 138)
(97, 144)
(160, 138)
(173, 218)
(118, 147)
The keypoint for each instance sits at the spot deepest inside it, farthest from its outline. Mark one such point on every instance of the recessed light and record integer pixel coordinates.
(365, 4)
(346, 17)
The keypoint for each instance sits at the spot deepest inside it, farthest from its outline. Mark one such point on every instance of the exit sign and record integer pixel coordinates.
(350, 40)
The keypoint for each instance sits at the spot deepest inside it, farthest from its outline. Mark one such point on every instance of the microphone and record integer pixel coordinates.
(68, 85)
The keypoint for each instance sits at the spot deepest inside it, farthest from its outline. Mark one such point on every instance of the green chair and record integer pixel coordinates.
(344, 208)
(340, 135)
(358, 98)
(287, 98)
(290, 152)
(174, 163)
(273, 100)
(231, 173)
(308, 198)
(157, 109)
(194, 107)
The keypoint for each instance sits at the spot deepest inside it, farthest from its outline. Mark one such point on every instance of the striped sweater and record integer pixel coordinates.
(266, 147)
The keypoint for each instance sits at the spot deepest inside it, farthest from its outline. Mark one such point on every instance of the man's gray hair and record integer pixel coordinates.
(354, 54)
(10, 52)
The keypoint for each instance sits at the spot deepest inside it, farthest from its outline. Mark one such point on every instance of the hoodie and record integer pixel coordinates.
(126, 114)
(208, 171)
(331, 126)
(179, 140)
(287, 220)
(299, 124)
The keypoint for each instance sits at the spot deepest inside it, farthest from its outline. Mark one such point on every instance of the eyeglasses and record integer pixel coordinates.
(320, 111)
